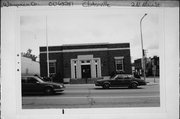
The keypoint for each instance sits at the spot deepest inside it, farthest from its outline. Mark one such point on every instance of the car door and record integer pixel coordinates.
(117, 81)
(127, 80)
(24, 84)
(33, 85)
(120, 80)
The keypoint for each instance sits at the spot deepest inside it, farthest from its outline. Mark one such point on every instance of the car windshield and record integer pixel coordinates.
(115, 77)
(39, 79)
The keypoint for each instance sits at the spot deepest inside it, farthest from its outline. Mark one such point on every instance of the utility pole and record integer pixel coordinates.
(47, 48)
(143, 52)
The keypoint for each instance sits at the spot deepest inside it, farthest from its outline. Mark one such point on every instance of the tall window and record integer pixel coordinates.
(52, 67)
(96, 67)
(75, 69)
(119, 63)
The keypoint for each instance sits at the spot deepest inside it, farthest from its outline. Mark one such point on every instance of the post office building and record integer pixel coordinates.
(84, 63)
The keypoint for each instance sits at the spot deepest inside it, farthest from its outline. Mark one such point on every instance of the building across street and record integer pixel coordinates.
(84, 63)
(29, 67)
(152, 66)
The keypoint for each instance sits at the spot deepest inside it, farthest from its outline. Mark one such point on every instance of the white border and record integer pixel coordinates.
(11, 93)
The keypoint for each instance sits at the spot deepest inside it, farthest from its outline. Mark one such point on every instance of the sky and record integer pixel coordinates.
(89, 27)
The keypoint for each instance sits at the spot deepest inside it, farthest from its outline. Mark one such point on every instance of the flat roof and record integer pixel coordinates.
(85, 46)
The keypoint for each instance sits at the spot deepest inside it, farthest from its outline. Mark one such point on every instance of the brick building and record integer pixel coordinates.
(152, 66)
(81, 63)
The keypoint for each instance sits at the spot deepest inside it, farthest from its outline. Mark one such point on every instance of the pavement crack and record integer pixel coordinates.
(91, 101)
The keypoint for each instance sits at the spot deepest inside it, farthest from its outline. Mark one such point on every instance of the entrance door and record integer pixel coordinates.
(86, 71)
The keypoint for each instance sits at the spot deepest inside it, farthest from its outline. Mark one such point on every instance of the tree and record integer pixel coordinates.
(29, 55)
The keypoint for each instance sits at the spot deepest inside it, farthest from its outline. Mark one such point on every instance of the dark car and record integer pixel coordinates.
(120, 80)
(34, 84)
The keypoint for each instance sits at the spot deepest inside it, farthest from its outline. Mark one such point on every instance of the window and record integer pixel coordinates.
(119, 77)
(96, 70)
(96, 67)
(52, 67)
(85, 62)
(75, 70)
(119, 64)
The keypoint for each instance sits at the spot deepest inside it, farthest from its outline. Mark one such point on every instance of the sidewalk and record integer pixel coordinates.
(152, 80)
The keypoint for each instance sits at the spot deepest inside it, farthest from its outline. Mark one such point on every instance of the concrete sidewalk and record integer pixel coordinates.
(152, 80)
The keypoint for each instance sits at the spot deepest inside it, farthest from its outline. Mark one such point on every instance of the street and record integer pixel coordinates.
(91, 96)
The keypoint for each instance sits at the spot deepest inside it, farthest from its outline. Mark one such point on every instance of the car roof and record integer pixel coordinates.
(28, 76)
(122, 75)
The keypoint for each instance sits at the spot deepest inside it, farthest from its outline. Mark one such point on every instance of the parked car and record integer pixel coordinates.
(120, 80)
(34, 84)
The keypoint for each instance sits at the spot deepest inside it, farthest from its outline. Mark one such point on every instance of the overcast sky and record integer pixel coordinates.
(78, 28)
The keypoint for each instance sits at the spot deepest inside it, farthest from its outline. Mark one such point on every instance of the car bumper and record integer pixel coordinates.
(143, 83)
(97, 84)
(58, 90)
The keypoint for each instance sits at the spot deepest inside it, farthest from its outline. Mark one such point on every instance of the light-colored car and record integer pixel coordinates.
(121, 80)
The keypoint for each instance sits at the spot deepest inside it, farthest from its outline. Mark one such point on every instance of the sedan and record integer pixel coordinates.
(120, 80)
(34, 84)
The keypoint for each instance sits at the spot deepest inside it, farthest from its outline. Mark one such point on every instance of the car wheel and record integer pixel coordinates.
(134, 85)
(48, 91)
(106, 85)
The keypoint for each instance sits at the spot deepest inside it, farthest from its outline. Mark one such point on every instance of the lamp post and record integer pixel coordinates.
(143, 52)
(47, 48)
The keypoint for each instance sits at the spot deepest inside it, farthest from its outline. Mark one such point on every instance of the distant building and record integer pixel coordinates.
(82, 63)
(152, 66)
(138, 66)
(29, 67)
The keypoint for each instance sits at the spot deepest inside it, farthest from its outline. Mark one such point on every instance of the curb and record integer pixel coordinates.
(152, 83)
(78, 85)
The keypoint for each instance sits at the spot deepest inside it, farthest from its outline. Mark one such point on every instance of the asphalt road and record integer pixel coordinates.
(90, 96)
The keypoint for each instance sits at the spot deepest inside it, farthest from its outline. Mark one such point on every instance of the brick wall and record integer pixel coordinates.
(63, 65)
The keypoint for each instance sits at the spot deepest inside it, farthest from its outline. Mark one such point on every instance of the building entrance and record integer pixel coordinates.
(86, 71)
(85, 66)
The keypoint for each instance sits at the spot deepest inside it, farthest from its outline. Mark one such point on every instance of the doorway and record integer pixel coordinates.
(86, 71)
